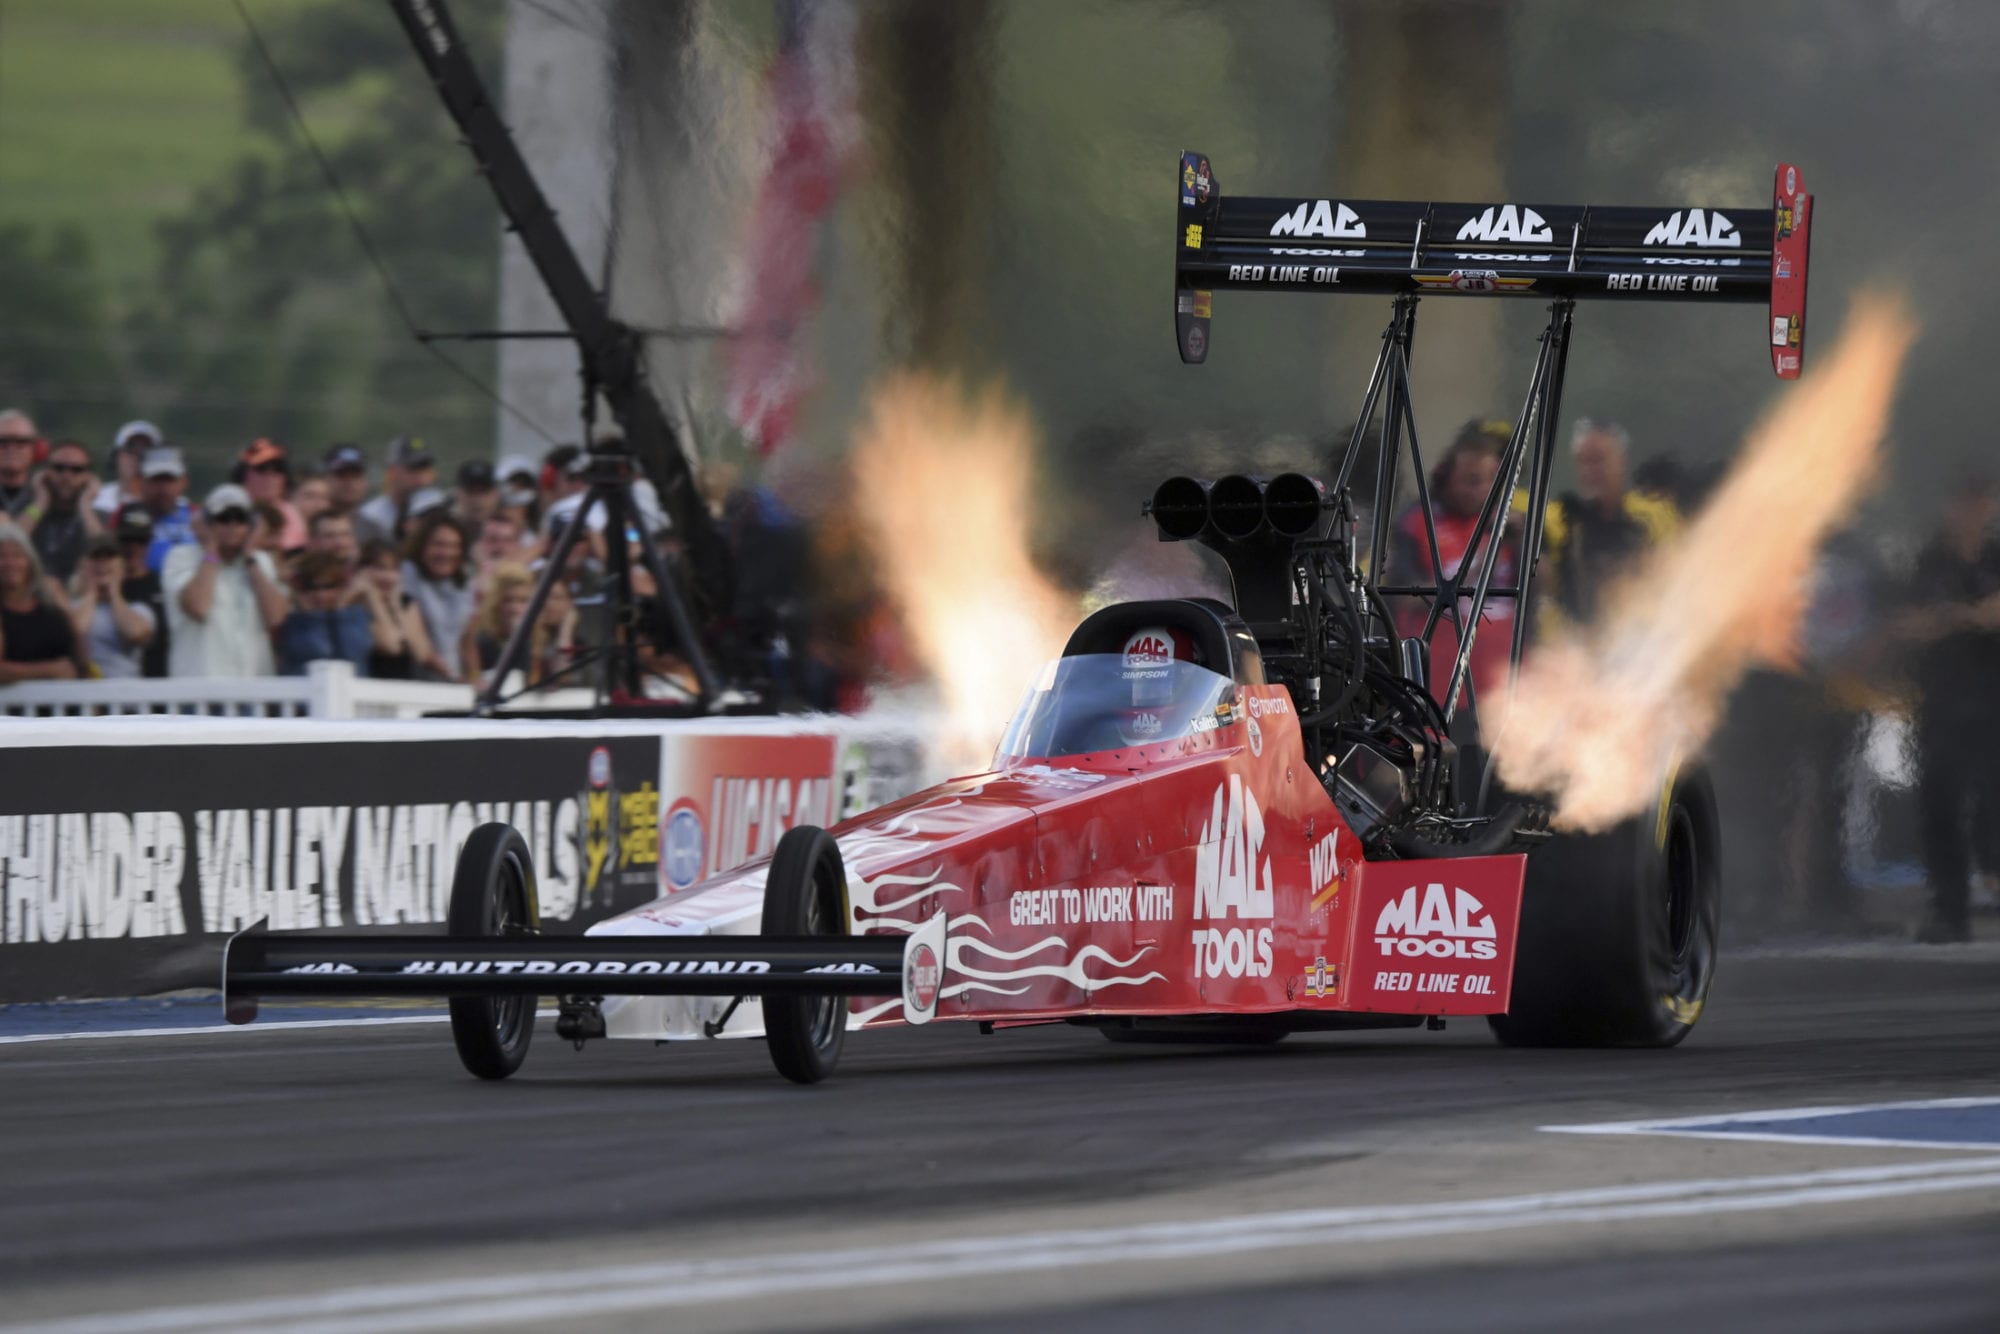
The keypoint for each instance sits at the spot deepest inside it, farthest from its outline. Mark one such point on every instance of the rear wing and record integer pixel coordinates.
(1566, 251)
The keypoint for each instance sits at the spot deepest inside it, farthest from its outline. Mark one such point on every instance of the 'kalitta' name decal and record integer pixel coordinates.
(688, 967)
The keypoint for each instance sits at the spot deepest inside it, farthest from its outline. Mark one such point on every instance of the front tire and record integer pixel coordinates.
(1620, 930)
(493, 894)
(805, 894)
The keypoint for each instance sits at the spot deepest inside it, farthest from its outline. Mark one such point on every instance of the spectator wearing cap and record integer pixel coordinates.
(565, 475)
(266, 473)
(411, 469)
(162, 489)
(37, 642)
(19, 442)
(437, 573)
(476, 498)
(346, 473)
(66, 522)
(133, 527)
(323, 622)
(519, 491)
(114, 630)
(129, 446)
(223, 599)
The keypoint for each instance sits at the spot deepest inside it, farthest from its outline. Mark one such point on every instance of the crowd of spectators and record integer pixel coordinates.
(109, 567)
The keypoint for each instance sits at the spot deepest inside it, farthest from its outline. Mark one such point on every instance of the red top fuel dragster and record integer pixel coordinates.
(1207, 821)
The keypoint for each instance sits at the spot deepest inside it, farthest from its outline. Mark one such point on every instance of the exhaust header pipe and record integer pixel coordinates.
(1238, 508)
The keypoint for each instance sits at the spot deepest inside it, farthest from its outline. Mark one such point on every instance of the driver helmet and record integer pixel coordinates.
(1147, 668)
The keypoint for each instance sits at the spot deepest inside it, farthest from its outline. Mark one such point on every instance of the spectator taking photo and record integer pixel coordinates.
(223, 599)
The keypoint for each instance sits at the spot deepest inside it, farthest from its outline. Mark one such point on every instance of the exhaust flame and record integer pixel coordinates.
(943, 482)
(1599, 714)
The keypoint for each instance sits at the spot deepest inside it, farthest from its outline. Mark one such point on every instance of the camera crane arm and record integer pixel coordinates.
(612, 353)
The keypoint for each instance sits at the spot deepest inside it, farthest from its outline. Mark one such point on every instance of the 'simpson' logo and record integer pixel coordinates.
(1436, 924)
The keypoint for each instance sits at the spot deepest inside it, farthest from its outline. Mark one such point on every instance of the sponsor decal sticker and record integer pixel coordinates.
(1192, 239)
(1201, 305)
(1471, 280)
(1791, 180)
(1781, 328)
(1256, 738)
(1203, 183)
(1697, 227)
(682, 845)
(1436, 924)
(1232, 879)
(322, 968)
(1197, 342)
(1322, 979)
(1506, 222)
(595, 967)
(920, 985)
(600, 767)
(1149, 648)
(1322, 217)
(1784, 267)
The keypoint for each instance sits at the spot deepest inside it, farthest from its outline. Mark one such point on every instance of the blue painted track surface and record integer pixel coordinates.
(175, 1012)
(1928, 1125)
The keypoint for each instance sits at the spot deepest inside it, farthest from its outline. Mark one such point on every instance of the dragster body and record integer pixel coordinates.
(1202, 874)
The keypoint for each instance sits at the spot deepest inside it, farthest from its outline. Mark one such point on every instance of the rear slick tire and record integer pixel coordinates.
(493, 894)
(805, 894)
(1619, 930)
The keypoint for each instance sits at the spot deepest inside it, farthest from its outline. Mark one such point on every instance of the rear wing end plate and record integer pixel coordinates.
(1697, 254)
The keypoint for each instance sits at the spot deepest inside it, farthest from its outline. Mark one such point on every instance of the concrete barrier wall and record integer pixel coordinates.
(123, 838)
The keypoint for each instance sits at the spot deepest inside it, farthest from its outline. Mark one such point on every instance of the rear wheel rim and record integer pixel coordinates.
(508, 916)
(825, 1014)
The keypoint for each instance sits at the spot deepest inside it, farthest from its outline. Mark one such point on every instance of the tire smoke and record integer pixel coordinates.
(1600, 713)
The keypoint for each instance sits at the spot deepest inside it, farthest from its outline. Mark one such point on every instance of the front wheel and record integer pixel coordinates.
(805, 894)
(1619, 930)
(493, 894)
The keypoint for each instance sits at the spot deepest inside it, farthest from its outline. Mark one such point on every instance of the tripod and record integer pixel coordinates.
(613, 665)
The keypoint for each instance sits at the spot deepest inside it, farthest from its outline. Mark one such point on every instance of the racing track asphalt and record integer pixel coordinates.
(150, 1175)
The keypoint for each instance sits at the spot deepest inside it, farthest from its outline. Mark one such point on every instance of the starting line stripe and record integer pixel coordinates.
(1773, 1123)
(569, 1295)
(271, 1027)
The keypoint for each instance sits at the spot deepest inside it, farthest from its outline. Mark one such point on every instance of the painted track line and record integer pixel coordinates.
(571, 1295)
(1697, 1127)
(272, 1026)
